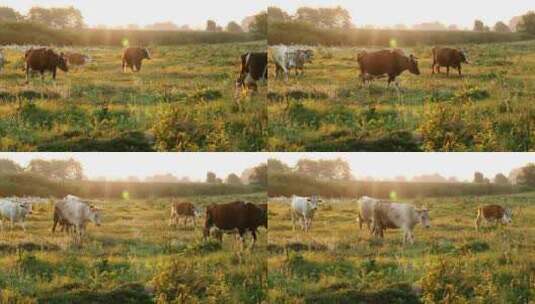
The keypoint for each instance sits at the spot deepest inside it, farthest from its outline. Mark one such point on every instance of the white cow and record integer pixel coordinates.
(15, 211)
(287, 58)
(304, 209)
(366, 206)
(398, 215)
(77, 213)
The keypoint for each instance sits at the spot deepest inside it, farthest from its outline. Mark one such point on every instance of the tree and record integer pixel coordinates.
(233, 179)
(453, 27)
(259, 26)
(162, 178)
(501, 179)
(501, 27)
(277, 166)
(324, 17)
(234, 27)
(60, 18)
(163, 26)
(479, 178)
(324, 169)
(259, 176)
(7, 14)
(211, 26)
(527, 176)
(430, 26)
(7, 166)
(276, 14)
(211, 178)
(57, 169)
(479, 26)
(527, 23)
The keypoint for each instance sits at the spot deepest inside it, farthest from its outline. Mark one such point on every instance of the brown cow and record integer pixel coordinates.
(448, 57)
(133, 56)
(253, 69)
(42, 60)
(494, 213)
(389, 62)
(235, 216)
(186, 210)
(76, 58)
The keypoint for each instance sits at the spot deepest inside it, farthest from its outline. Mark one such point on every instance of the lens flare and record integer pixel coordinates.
(393, 43)
(125, 42)
(125, 195)
(393, 196)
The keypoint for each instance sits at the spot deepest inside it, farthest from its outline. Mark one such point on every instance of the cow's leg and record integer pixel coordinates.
(253, 233)
(27, 73)
(478, 221)
(433, 68)
(447, 70)
(459, 69)
(54, 70)
(293, 219)
(54, 225)
(438, 69)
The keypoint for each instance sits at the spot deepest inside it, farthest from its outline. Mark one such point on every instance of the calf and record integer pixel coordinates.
(494, 213)
(14, 211)
(253, 69)
(133, 58)
(44, 59)
(448, 57)
(233, 216)
(389, 62)
(186, 210)
(304, 209)
(396, 215)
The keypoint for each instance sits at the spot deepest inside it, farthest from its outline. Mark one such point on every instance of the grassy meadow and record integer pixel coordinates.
(133, 257)
(450, 262)
(490, 108)
(183, 99)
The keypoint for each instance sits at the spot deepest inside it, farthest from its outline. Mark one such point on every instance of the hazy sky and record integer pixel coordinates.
(390, 165)
(116, 12)
(391, 12)
(121, 165)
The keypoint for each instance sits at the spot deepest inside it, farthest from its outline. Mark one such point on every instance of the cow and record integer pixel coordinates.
(77, 212)
(14, 211)
(398, 215)
(389, 62)
(44, 59)
(448, 57)
(64, 223)
(233, 216)
(286, 58)
(76, 58)
(186, 210)
(253, 69)
(304, 209)
(133, 57)
(494, 213)
(366, 205)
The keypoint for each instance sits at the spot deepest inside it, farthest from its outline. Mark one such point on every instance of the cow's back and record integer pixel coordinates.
(226, 216)
(39, 59)
(446, 56)
(492, 211)
(377, 63)
(133, 54)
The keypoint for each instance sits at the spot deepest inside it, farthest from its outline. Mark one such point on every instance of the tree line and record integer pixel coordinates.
(333, 178)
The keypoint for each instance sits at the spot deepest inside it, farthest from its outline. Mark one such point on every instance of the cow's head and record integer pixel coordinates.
(146, 54)
(423, 217)
(94, 215)
(308, 55)
(462, 57)
(314, 201)
(62, 63)
(27, 207)
(198, 211)
(507, 217)
(413, 65)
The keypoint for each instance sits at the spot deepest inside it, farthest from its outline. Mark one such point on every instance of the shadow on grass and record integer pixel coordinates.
(125, 294)
(342, 141)
(395, 294)
(126, 142)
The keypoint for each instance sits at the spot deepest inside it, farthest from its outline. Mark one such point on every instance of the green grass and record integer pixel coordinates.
(133, 257)
(183, 99)
(328, 109)
(449, 263)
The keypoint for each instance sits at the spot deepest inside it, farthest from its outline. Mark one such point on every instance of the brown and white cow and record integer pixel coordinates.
(448, 57)
(44, 59)
(389, 62)
(494, 213)
(233, 216)
(397, 215)
(133, 57)
(186, 210)
(253, 69)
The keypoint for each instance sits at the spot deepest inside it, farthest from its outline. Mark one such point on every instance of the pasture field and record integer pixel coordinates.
(133, 257)
(183, 99)
(490, 108)
(450, 262)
